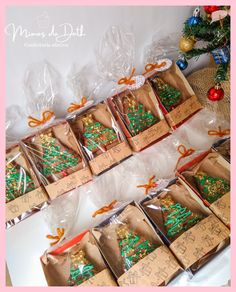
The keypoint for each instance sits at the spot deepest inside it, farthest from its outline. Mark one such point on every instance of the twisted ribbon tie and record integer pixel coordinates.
(128, 80)
(219, 132)
(184, 152)
(75, 106)
(46, 116)
(105, 208)
(150, 185)
(57, 238)
(149, 67)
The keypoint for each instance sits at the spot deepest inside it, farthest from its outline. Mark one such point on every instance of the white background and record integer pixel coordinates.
(145, 21)
(27, 241)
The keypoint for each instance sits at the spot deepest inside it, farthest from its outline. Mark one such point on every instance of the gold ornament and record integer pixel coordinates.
(186, 44)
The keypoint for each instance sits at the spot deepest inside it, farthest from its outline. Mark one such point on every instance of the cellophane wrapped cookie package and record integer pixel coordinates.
(24, 192)
(76, 262)
(135, 253)
(209, 176)
(193, 233)
(100, 138)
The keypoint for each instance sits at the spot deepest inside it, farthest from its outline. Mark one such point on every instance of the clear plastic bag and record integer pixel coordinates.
(161, 47)
(79, 85)
(115, 53)
(209, 176)
(132, 101)
(192, 231)
(24, 194)
(41, 85)
(53, 150)
(15, 115)
(61, 213)
(204, 129)
(176, 98)
(223, 147)
(125, 239)
(76, 262)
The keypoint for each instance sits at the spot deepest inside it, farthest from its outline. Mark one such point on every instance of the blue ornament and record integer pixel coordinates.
(194, 20)
(182, 64)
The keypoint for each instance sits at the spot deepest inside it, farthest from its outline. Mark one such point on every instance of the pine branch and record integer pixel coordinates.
(198, 52)
(221, 73)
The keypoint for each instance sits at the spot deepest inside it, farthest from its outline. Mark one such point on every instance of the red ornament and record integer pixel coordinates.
(209, 9)
(215, 93)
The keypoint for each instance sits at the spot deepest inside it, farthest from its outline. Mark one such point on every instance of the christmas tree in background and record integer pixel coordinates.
(81, 269)
(177, 218)
(213, 30)
(56, 159)
(96, 136)
(139, 118)
(133, 247)
(211, 188)
(169, 96)
(18, 181)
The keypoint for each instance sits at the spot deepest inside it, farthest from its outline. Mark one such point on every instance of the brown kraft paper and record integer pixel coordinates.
(107, 238)
(104, 278)
(156, 269)
(214, 165)
(183, 111)
(25, 203)
(110, 157)
(136, 220)
(68, 183)
(200, 240)
(221, 208)
(149, 136)
(56, 267)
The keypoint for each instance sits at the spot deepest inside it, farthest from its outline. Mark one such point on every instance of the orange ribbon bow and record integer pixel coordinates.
(220, 133)
(149, 67)
(57, 238)
(183, 153)
(105, 208)
(150, 185)
(46, 116)
(128, 80)
(76, 106)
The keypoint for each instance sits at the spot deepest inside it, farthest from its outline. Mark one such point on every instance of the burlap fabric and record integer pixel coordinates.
(201, 81)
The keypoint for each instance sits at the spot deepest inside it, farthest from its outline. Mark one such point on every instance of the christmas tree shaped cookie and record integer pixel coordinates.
(211, 188)
(81, 269)
(138, 118)
(18, 181)
(96, 135)
(177, 218)
(169, 96)
(132, 246)
(56, 159)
